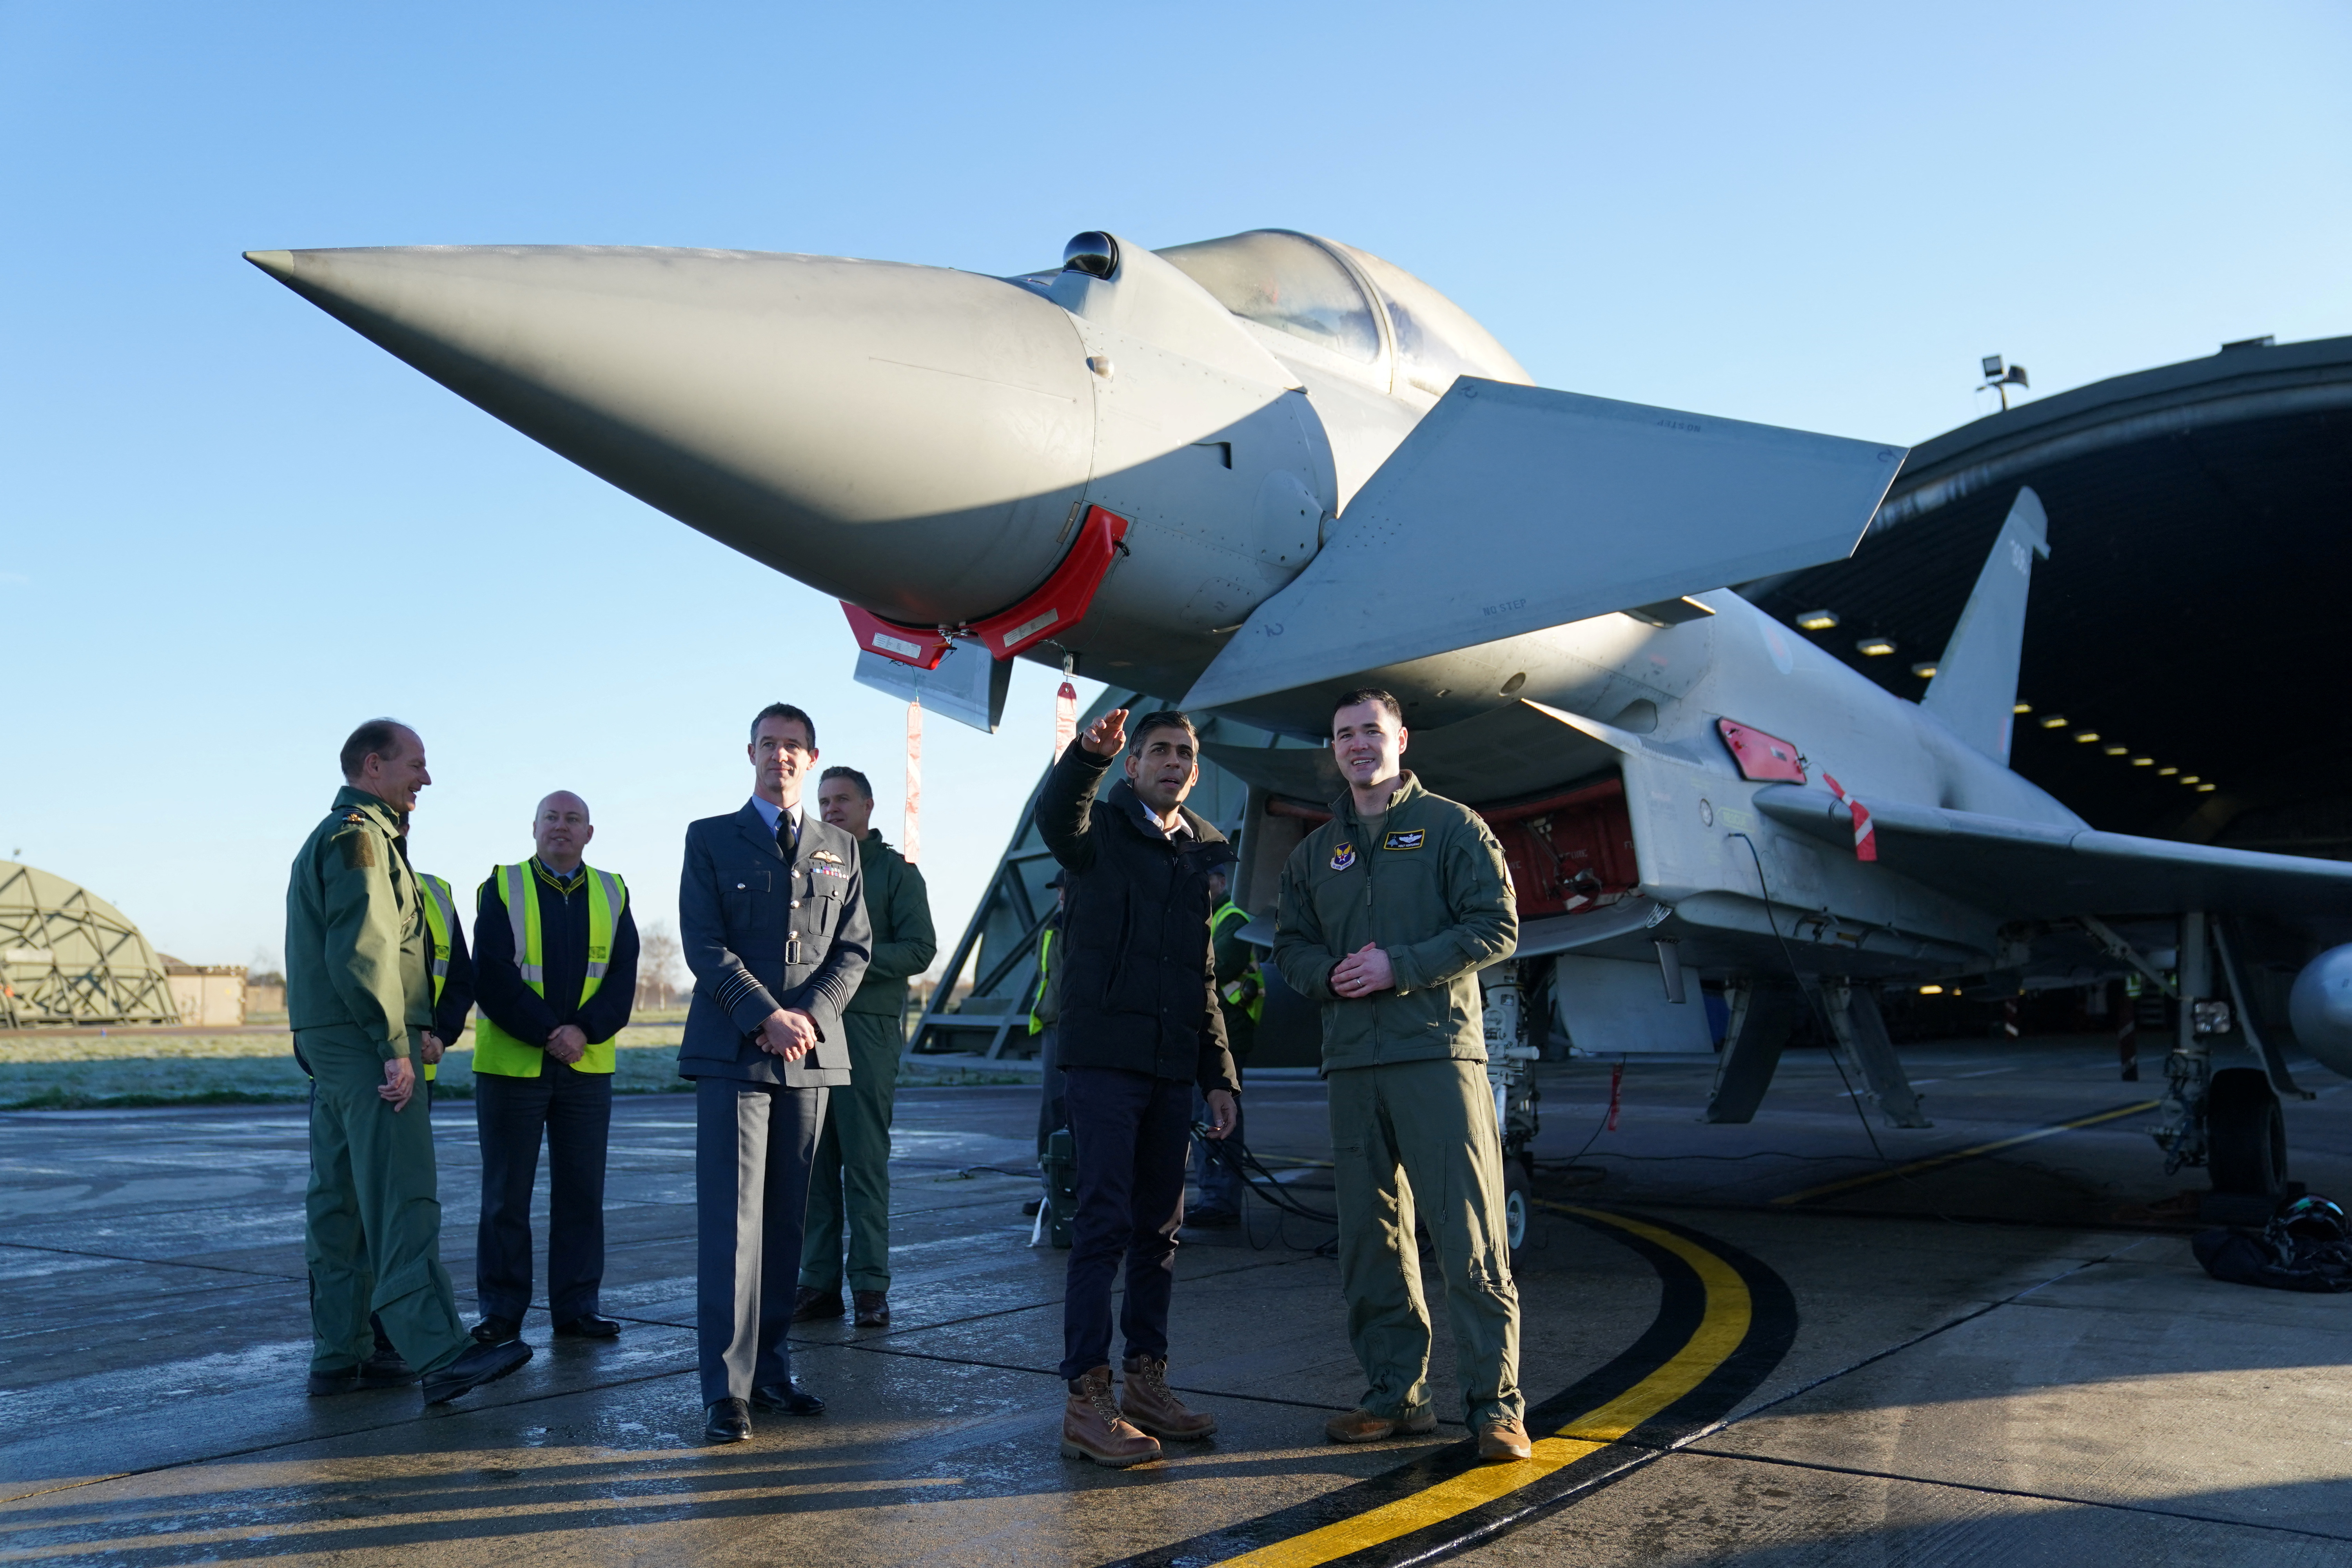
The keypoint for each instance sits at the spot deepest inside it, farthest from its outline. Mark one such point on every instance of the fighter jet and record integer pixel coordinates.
(1259, 470)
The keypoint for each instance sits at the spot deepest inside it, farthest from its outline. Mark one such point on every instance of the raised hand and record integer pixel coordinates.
(1106, 734)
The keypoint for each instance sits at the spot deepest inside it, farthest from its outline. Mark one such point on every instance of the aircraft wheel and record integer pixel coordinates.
(2246, 1134)
(1518, 1205)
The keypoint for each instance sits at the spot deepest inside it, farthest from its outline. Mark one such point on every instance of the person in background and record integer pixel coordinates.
(1239, 998)
(1044, 1018)
(452, 970)
(556, 974)
(851, 1176)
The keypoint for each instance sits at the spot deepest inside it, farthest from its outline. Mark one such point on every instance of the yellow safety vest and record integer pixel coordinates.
(1044, 961)
(495, 1050)
(440, 919)
(1243, 984)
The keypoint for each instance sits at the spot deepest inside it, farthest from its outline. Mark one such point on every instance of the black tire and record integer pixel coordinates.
(2245, 1134)
(1518, 1206)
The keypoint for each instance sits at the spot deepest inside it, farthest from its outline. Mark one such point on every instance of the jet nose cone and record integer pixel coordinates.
(909, 438)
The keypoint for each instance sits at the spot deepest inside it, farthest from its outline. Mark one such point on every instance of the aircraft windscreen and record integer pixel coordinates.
(1286, 281)
(1436, 338)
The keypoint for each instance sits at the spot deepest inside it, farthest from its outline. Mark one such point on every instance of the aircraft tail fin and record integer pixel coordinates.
(1974, 688)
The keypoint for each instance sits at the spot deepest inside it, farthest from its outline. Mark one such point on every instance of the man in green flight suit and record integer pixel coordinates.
(851, 1171)
(1388, 912)
(359, 998)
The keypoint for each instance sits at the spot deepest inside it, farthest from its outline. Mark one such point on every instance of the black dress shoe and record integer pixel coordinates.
(494, 1330)
(814, 1305)
(326, 1385)
(479, 1365)
(1211, 1220)
(387, 1369)
(589, 1326)
(787, 1399)
(728, 1421)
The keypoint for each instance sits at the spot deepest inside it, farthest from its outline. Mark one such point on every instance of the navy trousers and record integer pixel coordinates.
(573, 1110)
(1131, 1130)
(753, 1146)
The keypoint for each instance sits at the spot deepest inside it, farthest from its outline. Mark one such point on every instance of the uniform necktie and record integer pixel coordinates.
(787, 839)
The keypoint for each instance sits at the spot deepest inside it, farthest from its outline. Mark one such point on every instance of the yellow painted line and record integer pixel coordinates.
(1721, 1327)
(1934, 1161)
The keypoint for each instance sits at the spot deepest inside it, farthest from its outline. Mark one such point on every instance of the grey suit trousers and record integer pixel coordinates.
(752, 1146)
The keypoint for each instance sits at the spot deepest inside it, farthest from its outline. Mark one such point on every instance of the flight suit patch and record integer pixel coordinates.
(1343, 857)
(1413, 838)
(359, 851)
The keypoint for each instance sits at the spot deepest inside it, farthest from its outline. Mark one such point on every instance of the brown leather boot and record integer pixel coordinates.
(1361, 1425)
(1145, 1398)
(1503, 1439)
(1093, 1430)
(873, 1309)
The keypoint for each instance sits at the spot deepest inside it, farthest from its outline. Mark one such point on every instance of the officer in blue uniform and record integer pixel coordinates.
(772, 916)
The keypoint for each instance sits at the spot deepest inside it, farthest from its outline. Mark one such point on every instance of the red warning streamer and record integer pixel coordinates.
(1865, 836)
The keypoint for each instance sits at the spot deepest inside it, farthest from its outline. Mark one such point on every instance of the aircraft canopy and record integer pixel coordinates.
(1298, 284)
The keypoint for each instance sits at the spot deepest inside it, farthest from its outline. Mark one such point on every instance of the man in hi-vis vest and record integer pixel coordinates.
(555, 969)
(451, 970)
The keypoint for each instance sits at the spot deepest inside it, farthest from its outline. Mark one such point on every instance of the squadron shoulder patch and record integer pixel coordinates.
(359, 851)
(1413, 838)
(1343, 857)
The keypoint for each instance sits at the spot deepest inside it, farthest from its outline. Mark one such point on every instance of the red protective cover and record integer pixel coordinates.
(923, 647)
(1063, 601)
(1762, 758)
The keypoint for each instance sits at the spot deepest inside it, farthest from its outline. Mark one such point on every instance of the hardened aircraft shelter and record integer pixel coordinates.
(67, 956)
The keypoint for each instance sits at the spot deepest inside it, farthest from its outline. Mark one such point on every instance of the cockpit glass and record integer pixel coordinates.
(1436, 339)
(1286, 281)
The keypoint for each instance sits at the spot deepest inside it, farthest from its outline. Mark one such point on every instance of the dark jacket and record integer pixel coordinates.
(898, 908)
(355, 935)
(498, 988)
(758, 934)
(1431, 889)
(1137, 981)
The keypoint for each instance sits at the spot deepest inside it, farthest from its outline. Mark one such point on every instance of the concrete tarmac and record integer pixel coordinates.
(1801, 1341)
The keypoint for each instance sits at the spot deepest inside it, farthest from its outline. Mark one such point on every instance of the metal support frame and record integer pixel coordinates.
(2188, 1066)
(1869, 1051)
(1001, 940)
(1510, 1071)
(2283, 1083)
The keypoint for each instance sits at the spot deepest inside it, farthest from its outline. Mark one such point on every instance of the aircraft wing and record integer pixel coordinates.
(1511, 509)
(2030, 869)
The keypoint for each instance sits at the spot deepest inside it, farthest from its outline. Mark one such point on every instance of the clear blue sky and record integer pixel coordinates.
(229, 528)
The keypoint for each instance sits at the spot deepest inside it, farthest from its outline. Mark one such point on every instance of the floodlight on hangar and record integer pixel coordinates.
(67, 956)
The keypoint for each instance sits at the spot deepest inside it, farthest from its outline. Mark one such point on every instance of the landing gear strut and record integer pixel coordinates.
(1510, 1073)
